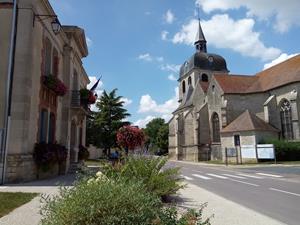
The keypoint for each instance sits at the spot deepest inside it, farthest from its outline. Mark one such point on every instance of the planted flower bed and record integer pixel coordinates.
(55, 84)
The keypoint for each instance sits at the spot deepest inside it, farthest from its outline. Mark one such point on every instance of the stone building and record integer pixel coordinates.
(39, 114)
(212, 102)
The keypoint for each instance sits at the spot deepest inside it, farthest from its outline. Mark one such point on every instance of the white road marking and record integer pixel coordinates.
(247, 175)
(187, 178)
(3, 187)
(218, 176)
(286, 192)
(234, 176)
(202, 177)
(243, 182)
(269, 175)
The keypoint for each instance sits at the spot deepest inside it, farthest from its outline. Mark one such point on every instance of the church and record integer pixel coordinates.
(218, 110)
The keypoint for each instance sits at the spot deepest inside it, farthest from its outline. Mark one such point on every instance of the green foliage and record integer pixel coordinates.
(169, 216)
(286, 150)
(157, 180)
(162, 139)
(102, 127)
(156, 131)
(113, 202)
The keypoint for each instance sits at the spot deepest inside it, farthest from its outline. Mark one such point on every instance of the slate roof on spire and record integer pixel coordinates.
(200, 35)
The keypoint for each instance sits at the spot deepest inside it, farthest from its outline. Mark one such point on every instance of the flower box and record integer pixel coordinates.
(55, 84)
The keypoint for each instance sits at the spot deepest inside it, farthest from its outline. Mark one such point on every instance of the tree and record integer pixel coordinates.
(152, 130)
(107, 121)
(162, 139)
(130, 137)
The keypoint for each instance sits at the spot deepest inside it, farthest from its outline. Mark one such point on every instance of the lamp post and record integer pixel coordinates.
(55, 24)
(9, 85)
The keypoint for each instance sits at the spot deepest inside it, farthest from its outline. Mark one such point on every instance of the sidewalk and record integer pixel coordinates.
(28, 214)
(225, 211)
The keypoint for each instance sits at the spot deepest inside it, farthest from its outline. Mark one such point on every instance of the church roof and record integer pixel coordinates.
(248, 121)
(281, 74)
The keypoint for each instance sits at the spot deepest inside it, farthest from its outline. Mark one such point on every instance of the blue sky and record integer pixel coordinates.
(138, 45)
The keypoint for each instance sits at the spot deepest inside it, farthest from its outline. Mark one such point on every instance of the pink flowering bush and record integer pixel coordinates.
(55, 84)
(130, 137)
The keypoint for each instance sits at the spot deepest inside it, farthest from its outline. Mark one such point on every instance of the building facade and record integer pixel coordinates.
(212, 102)
(40, 113)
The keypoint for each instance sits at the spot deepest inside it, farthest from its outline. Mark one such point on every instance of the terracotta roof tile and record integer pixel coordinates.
(248, 122)
(276, 76)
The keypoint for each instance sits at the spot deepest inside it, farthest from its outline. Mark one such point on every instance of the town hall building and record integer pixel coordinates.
(219, 110)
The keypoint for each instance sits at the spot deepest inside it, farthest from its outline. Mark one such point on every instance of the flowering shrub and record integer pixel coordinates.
(55, 84)
(46, 155)
(83, 153)
(130, 137)
(87, 96)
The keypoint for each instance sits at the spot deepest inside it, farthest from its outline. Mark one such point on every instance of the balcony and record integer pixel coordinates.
(77, 103)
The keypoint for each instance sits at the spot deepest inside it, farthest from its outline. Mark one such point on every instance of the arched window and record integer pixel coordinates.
(286, 120)
(216, 127)
(183, 87)
(189, 81)
(47, 57)
(43, 126)
(55, 62)
(51, 133)
(204, 78)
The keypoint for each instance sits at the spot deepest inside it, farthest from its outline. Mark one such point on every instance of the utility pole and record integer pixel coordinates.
(9, 85)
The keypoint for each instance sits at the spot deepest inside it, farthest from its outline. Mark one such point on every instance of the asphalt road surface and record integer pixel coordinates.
(271, 190)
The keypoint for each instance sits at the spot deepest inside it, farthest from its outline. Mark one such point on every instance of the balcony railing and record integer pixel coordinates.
(76, 102)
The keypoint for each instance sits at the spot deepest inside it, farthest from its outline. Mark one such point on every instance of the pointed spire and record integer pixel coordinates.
(200, 42)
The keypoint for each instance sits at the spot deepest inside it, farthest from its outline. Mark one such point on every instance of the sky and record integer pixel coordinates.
(137, 46)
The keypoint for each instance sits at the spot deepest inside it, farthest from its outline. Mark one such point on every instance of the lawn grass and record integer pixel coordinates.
(9, 201)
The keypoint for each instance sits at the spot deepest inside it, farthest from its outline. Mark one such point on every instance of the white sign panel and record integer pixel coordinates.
(265, 151)
(248, 151)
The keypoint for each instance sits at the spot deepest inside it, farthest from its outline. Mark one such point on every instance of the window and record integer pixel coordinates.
(216, 127)
(51, 133)
(189, 81)
(43, 126)
(47, 57)
(204, 78)
(237, 141)
(55, 62)
(183, 87)
(286, 120)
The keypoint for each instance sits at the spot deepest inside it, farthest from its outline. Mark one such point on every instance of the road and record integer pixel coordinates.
(271, 190)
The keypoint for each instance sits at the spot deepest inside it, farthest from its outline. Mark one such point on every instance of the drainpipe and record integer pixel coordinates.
(9, 85)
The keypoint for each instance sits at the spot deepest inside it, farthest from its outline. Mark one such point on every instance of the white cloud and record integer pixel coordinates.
(89, 42)
(145, 57)
(169, 17)
(148, 105)
(126, 101)
(285, 13)
(160, 59)
(170, 68)
(172, 77)
(164, 35)
(224, 32)
(143, 122)
(278, 60)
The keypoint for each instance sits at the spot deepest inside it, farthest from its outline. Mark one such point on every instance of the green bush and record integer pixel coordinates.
(286, 150)
(102, 202)
(151, 172)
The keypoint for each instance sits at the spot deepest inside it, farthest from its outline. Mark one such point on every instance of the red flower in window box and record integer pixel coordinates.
(55, 84)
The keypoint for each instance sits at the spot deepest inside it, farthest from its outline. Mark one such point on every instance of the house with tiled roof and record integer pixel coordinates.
(216, 107)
